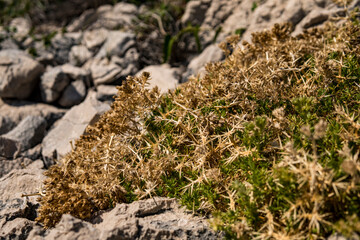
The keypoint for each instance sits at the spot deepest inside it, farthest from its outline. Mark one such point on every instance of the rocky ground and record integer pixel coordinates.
(53, 85)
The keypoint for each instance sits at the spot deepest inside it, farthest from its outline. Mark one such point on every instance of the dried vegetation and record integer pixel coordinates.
(267, 141)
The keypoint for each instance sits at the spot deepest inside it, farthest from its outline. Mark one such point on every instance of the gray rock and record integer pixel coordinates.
(79, 55)
(338, 236)
(238, 20)
(32, 153)
(22, 27)
(106, 93)
(157, 218)
(68, 228)
(61, 45)
(53, 82)
(195, 12)
(317, 17)
(115, 17)
(128, 63)
(86, 18)
(216, 14)
(94, 38)
(15, 208)
(125, 8)
(27, 134)
(18, 74)
(76, 73)
(18, 110)
(6, 124)
(162, 76)
(8, 43)
(73, 94)
(42, 53)
(18, 182)
(103, 71)
(18, 228)
(16, 212)
(211, 54)
(280, 11)
(116, 44)
(7, 166)
(71, 127)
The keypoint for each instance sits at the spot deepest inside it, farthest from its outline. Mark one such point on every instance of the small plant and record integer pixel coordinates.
(254, 6)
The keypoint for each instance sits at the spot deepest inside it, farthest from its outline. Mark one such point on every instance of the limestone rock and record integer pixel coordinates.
(73, 94)
(116, 44)
(61, 45)
(18, 228)
(8, 43)
(195, 12)
(94, 38)
(86, 18)
(53, 82)
(18, 110)
(316, 17)
(6, 124)
(162, 76)
(103, 71)
(18, 74)
(157, 218)
(106, 93)
(21, 181)
(22, 27)
(71, 127)
(7, 165)
(27, 134)
(79, 55)
(76, 73)
(115, 17)
(211, 54)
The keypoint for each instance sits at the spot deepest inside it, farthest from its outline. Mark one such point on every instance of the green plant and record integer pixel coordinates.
(171, 40)
(267, 141)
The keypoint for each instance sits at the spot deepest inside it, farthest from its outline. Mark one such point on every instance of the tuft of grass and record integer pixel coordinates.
(267, 142)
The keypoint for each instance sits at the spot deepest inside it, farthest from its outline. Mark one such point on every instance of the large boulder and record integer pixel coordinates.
(19, 74)
(71, 127)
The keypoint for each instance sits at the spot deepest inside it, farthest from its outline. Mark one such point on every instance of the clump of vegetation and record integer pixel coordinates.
(267, 142)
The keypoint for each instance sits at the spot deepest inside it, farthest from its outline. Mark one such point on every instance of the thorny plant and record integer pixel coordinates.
(267, 141)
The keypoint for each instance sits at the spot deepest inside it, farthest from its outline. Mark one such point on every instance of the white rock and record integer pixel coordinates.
(18, 74)
(71, 127)
(79, 55)
(162, 76)
(73, 94)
